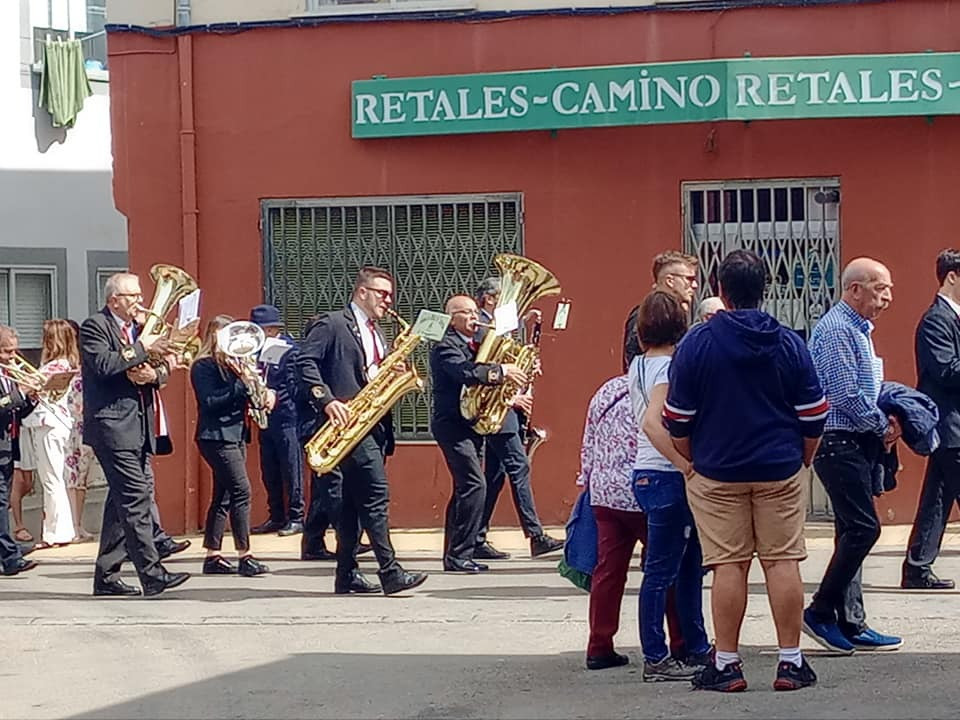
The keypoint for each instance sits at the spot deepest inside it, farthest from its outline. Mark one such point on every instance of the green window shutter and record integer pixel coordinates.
(434, 245)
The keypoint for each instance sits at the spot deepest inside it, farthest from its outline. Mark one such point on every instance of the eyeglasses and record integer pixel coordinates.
(689, 278)
(384, 294)
(465, 312)
(130, 295)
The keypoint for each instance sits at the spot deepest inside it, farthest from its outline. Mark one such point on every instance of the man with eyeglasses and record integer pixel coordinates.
(341, 352)
(119, 423)
(673, 272)
(453, 366)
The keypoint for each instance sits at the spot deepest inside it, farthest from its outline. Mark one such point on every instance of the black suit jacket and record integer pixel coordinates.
(13, 407)
(117, 413)
(331, 366)
(938, 366)
(452, 367)
(222, 401)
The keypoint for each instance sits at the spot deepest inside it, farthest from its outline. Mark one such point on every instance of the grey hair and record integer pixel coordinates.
(7, 330)
(112, 286)
(489, 286)
(709, 305)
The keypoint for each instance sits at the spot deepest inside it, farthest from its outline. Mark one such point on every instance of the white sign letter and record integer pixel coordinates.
(695, 93)
(558, 98)
(781, 90)
(367, 110)
(748, 85)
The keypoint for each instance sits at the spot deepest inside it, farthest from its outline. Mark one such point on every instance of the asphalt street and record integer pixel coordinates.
(505, 644)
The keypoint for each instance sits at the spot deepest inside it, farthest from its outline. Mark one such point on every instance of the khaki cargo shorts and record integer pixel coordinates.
(737, 519)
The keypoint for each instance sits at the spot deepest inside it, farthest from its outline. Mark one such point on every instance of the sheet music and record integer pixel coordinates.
(273, 350)
(505, 318)
(189, 310)
(431, 325)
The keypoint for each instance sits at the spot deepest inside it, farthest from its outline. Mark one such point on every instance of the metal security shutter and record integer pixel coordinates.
(5, 297)
(32, 302)
(435, 245)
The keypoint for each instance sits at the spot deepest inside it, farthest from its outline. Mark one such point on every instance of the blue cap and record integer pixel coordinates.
(266, 316)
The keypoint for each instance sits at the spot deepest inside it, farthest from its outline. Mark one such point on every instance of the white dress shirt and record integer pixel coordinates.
(368, 338)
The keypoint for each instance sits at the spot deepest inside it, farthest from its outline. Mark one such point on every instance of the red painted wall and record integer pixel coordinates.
(272, 115)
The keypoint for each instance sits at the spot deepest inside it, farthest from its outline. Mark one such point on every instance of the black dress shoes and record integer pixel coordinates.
(217, 565)
(602, 662)
(168, 581)
(268, 527)
(172, 547)
(355, 583)
(321, 554)
(249, 566)
(924, 581)
(451, 564)
(489, 552)
(20, 566)
(399, 581)
(114, 588)
(291, 528)
(543, 544)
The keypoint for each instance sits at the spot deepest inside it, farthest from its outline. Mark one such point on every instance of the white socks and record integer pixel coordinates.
(723, 659)
(791, 655)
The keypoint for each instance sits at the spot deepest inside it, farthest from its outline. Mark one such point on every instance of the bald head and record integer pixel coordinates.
(863, 270)
(709, 307)
(462, 310)
(867, 286)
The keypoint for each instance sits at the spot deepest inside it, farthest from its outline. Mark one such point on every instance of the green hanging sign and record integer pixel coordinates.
(831, 86)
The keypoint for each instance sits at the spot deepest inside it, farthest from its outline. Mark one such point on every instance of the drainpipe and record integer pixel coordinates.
(191, 263)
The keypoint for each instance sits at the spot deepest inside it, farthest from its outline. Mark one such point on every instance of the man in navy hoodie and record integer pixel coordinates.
(745, 405)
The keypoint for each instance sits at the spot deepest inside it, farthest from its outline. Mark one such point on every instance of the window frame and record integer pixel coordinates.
(12, 270)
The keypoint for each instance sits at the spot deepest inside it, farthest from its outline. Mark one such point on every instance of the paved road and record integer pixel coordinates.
(507, 644)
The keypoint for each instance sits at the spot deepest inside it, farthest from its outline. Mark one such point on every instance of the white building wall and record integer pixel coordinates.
(56, 195)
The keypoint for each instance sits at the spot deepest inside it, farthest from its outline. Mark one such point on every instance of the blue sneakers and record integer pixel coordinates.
(827, 634)
(871, 640)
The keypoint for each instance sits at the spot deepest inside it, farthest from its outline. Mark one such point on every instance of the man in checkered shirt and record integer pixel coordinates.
(857, 432)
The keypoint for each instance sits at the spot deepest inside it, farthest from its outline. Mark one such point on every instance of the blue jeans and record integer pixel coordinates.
(673, 558)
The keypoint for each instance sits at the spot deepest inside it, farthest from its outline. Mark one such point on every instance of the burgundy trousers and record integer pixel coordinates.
(617, 534)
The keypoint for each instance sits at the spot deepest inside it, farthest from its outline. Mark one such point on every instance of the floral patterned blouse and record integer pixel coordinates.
(68, 408)
(609, 447)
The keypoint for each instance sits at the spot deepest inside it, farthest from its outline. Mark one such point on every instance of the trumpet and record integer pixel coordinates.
(240, 341)
(18, 370)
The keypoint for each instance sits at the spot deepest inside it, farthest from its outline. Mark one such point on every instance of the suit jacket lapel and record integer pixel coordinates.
(354, 327)
(114, 329)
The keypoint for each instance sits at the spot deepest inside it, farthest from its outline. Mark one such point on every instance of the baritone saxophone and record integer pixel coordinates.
(396, 377)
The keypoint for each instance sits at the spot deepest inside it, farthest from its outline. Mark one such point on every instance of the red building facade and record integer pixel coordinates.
(210, 128)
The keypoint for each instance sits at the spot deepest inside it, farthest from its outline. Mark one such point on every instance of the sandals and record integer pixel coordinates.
(22, 535)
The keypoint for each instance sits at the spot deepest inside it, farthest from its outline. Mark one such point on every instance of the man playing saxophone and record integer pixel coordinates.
(505, 455)
(340, 354)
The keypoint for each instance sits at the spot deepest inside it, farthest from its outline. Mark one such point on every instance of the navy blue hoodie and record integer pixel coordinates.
(744, 390)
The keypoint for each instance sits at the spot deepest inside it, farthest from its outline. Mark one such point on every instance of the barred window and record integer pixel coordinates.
(435, 246)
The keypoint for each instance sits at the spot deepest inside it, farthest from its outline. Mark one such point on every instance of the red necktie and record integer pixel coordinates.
(377, 357)
(128, 332)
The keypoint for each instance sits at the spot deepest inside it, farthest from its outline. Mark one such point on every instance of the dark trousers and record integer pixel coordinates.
(617, 534)
(465, 507)
(127, 530)
(281, 468)
(326, 499)
(504, 455)
(9, 549)
(160, 536)
(941, 488)
(231, 493)
(673, 560)
(364, 505)
(844, 463)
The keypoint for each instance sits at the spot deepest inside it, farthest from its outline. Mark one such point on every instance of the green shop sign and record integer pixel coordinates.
(695, 91)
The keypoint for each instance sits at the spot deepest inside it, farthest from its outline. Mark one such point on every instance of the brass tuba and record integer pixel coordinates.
(172, 285)
(522, 281)
(240, 341)
(397, 376)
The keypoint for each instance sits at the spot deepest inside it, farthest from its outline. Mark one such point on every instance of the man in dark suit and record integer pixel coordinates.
(938, 375)
(119, 424)
(281, 456)
(453, 367)
(505, 454)
(340, 354)
(14, 405)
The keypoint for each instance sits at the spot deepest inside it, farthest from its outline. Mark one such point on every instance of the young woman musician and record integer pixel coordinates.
(222, 434)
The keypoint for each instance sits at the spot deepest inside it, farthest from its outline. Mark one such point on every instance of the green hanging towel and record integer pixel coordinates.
(64, 84)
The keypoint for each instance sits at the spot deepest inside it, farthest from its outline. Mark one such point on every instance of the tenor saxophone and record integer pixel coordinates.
(397, 376)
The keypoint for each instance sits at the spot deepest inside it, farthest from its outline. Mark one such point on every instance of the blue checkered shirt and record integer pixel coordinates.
(849, 370)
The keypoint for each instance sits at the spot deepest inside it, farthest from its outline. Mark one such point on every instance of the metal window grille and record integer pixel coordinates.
(792, 224)
(435, 245)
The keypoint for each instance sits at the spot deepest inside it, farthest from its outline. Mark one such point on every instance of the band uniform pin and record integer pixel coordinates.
(4, 401)
(317, 391)
(128, 352)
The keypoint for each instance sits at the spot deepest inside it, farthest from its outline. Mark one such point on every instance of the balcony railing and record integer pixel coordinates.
(94, 50)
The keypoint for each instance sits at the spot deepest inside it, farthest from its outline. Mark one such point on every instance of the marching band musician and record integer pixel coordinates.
(504, 455)
(453, 367)
(281, 457)
(13, 406)
(341, 352)
(118, 423)
(223, 432)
